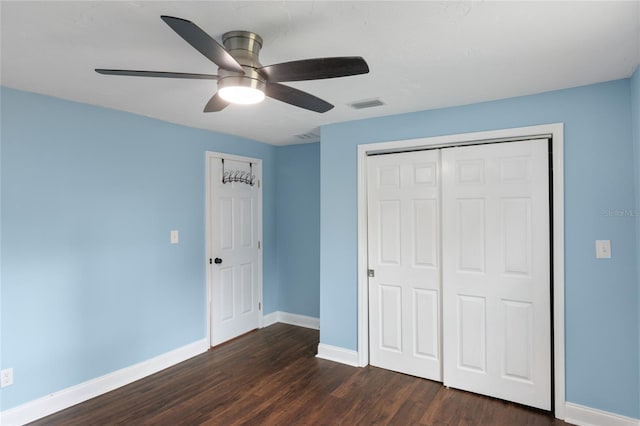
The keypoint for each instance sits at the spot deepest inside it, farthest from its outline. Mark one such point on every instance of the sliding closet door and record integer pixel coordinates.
(404, 258)
(496, 271)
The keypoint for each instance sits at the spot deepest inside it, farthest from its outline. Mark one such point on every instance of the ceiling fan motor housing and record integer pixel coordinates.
(245, 47)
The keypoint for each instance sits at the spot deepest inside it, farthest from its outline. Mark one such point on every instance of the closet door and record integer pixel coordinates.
(404, 293)
(496, 271)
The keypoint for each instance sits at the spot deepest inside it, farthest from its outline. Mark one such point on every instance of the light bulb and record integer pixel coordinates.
(241, 95)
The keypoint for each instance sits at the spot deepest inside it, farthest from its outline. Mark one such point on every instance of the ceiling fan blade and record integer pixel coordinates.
(296, 97)
(215, 104)
(315, 69)
(164, 74)
(203, 43)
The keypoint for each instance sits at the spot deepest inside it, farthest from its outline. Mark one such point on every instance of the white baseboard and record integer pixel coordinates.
(334, 353)
(300, 320)
(65, 398)
(292, 319)
(270, 319)
(585, 416)
(331, 353)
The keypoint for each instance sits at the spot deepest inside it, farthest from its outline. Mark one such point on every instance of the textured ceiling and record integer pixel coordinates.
(422, 55)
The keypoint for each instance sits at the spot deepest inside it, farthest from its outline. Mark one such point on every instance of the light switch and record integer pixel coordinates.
(603, 249)
(174, 237)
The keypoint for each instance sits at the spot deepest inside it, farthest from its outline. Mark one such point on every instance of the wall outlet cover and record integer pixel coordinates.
(6, 377)
(603, 249)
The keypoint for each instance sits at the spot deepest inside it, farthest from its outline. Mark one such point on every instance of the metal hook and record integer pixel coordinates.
(241, 176)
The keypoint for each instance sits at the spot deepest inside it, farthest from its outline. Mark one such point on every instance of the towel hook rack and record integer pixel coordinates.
(240, 176)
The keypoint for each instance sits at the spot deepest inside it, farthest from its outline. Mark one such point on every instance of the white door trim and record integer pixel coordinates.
(556, 131)
(209, 228)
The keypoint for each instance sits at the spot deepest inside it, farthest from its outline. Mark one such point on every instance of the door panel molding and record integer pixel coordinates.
(556, 133)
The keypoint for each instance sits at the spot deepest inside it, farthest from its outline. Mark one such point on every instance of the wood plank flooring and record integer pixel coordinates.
(272, 377)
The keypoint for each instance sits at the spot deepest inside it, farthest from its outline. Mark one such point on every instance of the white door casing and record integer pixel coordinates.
(404, 293)
(234, 222)
(496, 271)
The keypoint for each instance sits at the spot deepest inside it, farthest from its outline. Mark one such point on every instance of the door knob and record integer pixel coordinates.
(217, 261)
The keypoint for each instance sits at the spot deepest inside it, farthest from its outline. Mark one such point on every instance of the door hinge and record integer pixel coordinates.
(258, 244)
(210, 261)
(258, 183)
(371, 273)
(259, 305)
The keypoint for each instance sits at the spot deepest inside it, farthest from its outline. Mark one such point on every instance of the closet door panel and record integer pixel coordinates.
(496, 271)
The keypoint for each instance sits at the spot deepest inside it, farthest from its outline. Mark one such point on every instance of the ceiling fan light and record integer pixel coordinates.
(241, 95)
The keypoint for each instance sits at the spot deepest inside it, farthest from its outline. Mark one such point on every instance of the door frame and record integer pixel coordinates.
(209, 231)
(556, 133)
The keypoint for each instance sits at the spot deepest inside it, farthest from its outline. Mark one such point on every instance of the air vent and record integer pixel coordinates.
(309, 136)
(367, 103)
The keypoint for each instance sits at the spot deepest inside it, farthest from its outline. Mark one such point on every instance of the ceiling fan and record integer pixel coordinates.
(241, 77)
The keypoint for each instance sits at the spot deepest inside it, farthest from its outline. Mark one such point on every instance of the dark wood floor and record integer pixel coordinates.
(272, 377)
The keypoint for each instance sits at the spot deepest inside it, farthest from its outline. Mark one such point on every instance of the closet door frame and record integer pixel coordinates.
(555, 132)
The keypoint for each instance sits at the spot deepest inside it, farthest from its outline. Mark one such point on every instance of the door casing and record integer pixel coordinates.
(209, 230)
(556, 133)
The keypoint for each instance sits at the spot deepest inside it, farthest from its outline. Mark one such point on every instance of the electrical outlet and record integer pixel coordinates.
(603, 249)
(6, 377)
(175, 238)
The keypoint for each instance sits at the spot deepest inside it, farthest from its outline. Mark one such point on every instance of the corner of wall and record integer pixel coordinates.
(635, 128)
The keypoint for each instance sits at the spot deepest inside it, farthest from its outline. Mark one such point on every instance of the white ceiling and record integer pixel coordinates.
(422, 55)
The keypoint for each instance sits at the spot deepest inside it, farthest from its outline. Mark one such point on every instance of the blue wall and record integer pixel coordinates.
(602, 367)
(298, 223)
(89, 281)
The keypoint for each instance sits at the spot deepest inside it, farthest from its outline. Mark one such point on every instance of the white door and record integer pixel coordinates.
(496, 271)
(235, 267)
(404, 293)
